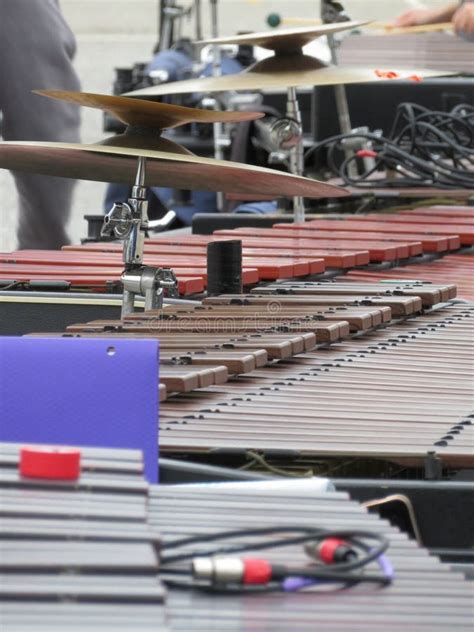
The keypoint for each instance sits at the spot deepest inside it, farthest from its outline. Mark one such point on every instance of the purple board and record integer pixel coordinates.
(74, 391)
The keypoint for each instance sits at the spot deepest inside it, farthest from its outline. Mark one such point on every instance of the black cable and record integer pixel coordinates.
(360, 549)
(424, 148)
(309, 534)
(14, 285)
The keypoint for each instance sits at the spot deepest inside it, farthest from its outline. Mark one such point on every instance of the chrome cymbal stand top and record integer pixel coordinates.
(128, 221)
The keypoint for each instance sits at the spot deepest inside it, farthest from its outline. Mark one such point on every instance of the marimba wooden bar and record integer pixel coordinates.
(396, 395)
(457, 269)
(459, 235)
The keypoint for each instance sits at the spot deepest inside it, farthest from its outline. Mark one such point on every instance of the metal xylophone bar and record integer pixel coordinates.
(84, 545)
(50, 518)
(424, 596)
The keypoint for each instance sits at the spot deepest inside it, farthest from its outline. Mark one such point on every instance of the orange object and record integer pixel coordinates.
(387, 74)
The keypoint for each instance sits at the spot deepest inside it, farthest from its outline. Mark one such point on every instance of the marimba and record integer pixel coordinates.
(284, 251)
(293, 342)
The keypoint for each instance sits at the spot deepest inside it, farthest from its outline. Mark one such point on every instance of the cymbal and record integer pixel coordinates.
(106, 163)
(283, 77)
(285, 39)
(148, 113)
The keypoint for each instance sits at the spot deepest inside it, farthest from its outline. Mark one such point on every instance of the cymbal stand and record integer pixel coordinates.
(342, 107)
(128, 221)
(172, 16)
(198, 19)
(296, 154)
(331, 12)
(218, 128)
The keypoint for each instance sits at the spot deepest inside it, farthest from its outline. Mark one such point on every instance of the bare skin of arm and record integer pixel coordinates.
(417, 17)
(462, 17)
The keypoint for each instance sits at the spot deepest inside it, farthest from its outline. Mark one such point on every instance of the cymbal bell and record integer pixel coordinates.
(106, 163)
(276, 75)
(138, 112)
(286, 39)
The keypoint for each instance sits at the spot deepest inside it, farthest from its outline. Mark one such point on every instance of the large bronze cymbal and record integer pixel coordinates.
(151, 114)
(285, 39)
(287, 71)
(106, 163)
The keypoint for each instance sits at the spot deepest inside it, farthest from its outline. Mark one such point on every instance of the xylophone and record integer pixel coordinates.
(262, 371)
(82, 532)
(405, 363)
(78, 554)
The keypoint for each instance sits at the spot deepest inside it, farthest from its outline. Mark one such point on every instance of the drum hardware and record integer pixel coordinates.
(289, 68)
(173, 14)
(142, 151)
(333, 12)
(220, 140)
(128, 222)
(297, 151)
(277, 136)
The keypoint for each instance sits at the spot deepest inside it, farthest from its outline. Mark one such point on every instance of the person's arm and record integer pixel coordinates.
(463, 19)
(416, 17)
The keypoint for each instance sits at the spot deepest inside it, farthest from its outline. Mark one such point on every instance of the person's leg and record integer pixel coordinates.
(36, 51)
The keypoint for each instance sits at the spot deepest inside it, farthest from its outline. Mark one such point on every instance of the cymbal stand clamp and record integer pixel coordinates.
(128, 221)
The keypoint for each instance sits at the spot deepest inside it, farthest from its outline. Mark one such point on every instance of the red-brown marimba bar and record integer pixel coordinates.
(409, 223)
(283, 252)
(442, 211)
(329, 254)
(458, 269)
(96, 265)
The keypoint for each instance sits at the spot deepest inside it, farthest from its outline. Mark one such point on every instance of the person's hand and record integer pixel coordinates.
(415, 17)
(463, 20)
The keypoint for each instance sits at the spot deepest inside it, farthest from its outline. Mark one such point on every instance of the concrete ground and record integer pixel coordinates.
(114, 33)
